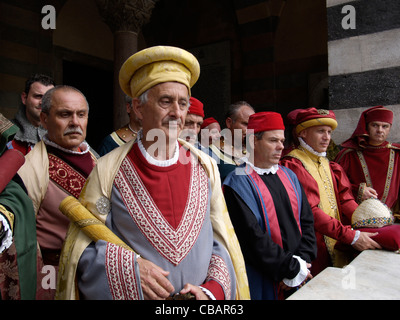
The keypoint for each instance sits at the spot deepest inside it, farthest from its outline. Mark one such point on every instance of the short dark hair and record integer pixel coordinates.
(38, 77)
(234, 108)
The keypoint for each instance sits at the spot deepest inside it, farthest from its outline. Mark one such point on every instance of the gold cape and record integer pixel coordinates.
(99, 185)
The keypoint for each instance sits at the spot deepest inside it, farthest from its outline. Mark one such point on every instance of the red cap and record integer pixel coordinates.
(378, 113)
(196, 107)
(265, 121)
(207, 122)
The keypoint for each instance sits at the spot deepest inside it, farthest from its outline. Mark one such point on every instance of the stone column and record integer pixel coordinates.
(125, 19)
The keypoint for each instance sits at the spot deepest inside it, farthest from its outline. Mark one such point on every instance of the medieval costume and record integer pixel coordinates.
(328, 191)
(273, 221)
(50, 174)
(170, 212)
(17, 220)
(372, 166)
(271, 239)
(131, 228)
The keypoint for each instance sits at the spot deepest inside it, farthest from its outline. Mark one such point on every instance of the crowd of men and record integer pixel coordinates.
(177, 207)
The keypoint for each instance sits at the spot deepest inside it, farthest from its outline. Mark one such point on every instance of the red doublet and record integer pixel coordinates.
(376, 159)
(170, 189)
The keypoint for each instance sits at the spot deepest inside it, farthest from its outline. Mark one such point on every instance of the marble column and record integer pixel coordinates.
(125, 19)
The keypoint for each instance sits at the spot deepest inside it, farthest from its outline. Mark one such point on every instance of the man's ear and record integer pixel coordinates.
(137, 108)
(302, 134)
(23, 97)
(251, 139)
(228, 122)
(43, 120)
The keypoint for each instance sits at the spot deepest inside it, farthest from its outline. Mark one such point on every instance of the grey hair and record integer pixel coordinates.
(47, 97)
(233, 109)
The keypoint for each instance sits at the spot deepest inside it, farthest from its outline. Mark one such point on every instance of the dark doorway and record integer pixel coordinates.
(97, 85)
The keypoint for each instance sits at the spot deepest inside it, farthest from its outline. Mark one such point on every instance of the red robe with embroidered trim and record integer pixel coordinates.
(377, 160)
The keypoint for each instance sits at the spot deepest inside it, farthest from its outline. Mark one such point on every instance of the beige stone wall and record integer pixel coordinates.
(348, 119)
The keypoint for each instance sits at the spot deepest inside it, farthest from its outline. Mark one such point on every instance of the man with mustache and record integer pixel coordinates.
(270, 213)
(28, 117)
(327, 188)
(55, 168)
(162, 196)
(371, 161)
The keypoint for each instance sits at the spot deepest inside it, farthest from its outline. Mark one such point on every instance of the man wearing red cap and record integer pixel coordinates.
(193, 122)
(327, 188)
(371, 161)
(210, 132)
(270, 212)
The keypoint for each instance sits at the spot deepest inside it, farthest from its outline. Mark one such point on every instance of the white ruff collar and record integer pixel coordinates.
(84, 146)
(274, 169)
(152, 160)
(308, 148)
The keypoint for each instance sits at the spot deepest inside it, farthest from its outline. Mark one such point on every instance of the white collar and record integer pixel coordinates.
(273, 170)
(153, 161)
(308, 148)
(84, 146)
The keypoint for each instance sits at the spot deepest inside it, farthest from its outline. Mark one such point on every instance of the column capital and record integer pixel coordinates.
(125, 15)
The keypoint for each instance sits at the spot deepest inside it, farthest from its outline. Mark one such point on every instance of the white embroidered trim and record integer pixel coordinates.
(173, 244)
(84, 146)
(218, 271)
(120, 271)
(308, 148)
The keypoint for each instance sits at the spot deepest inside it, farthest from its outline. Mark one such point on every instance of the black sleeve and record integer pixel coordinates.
(307, 248)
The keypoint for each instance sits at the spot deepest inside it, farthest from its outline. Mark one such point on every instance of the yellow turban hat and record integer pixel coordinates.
(155, 65)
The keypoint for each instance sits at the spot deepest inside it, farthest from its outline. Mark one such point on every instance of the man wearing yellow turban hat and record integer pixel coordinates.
(327, 188)
(161, 196)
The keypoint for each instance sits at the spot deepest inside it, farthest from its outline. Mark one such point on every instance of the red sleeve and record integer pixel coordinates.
(343, 189)
(350, 163)
(215, 288)
(22, 147)
(323, 223)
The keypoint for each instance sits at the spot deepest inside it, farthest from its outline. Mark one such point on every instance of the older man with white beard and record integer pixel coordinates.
(55, 168)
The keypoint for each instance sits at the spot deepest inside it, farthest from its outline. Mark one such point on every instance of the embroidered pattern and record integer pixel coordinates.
(121, 273)
(389, 174)
(172, 244)
(373, 222)
(65, 176)
(218, 271)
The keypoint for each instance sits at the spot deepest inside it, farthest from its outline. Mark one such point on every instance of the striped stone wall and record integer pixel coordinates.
(364, 62)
